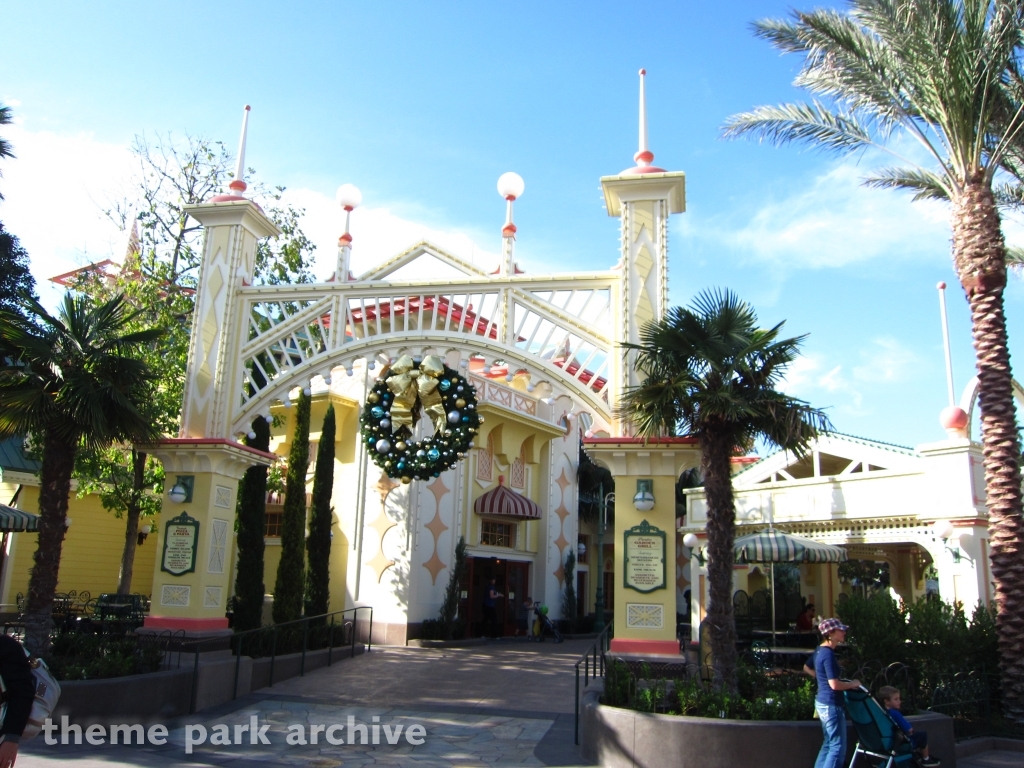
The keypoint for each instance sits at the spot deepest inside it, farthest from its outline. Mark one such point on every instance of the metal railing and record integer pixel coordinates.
(593, 659)
(316, 633)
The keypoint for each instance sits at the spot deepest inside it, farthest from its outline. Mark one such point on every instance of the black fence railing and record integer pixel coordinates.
(592, 661)
(311, 633)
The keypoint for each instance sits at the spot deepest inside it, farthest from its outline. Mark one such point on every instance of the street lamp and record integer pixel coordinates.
(581, 550)
(644, 498)
(605, 499)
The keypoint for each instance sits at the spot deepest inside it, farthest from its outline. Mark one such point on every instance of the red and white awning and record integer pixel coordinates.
(502, 501)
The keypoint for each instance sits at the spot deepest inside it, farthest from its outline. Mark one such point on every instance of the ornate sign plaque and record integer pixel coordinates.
(644, 562)
(181, 539)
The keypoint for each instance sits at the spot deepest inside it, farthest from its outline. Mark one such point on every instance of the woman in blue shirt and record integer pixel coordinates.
(828, 702)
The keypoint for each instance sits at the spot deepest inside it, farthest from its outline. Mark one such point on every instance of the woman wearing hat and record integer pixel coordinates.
(828, 703)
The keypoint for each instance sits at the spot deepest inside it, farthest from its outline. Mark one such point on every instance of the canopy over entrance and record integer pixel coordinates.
(503, 502)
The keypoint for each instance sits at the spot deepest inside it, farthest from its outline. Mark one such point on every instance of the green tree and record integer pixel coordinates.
(711, 372)
(318, 545)
(252, 523)
(77, 380)
(569, 593)
(453, 592)
(288, 587)
(944, 73)
(15, 279)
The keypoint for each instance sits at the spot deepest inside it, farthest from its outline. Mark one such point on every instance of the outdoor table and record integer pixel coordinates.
(788, 653)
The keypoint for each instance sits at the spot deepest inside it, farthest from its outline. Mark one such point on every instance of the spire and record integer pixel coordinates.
(644, 157)
(237, 184)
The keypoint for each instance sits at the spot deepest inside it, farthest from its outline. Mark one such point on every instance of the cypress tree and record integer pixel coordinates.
(288, 588)
(251, 511)
(318, 545)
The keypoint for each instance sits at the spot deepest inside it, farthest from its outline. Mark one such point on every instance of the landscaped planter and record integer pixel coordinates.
(622, 738)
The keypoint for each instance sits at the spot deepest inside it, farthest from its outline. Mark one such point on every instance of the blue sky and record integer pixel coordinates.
(424, 105)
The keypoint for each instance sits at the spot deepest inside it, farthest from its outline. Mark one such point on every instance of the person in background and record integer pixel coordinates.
(828, 702)
(890, 698)
(523, 619)
(19, 693)
(490, 612)
(805, 621)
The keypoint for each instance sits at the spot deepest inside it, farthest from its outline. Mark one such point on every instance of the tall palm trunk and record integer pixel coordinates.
(979, 253)
(55, 487)
(131, 528)
(716, 452)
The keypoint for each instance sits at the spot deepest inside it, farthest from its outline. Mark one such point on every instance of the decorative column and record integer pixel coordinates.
(643, 197)
(195, 548)
(645, 537)
(214, 376)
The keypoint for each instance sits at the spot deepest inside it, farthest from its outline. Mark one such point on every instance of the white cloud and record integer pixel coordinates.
(53, 189)
(377, 234)
(57, 183)
(834, 222)
(886, 360)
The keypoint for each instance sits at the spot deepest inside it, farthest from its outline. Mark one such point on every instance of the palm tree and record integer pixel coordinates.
(712, 373)
(5, 146)
(76, 380)
(945, 74)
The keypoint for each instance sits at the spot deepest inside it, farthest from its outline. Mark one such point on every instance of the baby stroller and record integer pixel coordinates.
(543, 626)
(878, 737)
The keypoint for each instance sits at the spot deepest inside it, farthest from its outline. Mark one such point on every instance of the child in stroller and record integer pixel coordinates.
(890, 698)
(543, 626)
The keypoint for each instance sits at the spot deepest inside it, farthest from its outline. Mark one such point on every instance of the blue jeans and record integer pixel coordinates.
(833, 726)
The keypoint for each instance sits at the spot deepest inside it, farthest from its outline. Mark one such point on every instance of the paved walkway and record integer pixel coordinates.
(506, 703)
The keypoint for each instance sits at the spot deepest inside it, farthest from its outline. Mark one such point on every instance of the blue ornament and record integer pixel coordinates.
(377, 412)
(465, 419)
(433, 454)
(445, 385)
(437, 474)
(401, 465)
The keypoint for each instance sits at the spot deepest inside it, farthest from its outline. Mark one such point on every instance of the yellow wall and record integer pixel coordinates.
(91, 557)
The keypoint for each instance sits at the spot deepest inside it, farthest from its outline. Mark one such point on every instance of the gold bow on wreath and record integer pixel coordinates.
(407, 382)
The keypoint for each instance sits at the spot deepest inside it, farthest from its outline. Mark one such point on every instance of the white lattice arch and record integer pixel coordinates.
(969, 399)
(451, 347)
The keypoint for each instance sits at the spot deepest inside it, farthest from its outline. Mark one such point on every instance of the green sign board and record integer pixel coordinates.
(644, 567)
(181, 540)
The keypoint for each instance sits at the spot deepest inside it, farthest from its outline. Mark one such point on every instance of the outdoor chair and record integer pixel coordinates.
(877, 735)
(740, 603)
(760, 656)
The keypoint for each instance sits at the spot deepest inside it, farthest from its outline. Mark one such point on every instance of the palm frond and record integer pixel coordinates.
(813, 122)
(925, 184)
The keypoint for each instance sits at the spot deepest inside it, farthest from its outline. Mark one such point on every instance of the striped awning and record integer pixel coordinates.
(12, 519)
(502, 501)
(777, 547)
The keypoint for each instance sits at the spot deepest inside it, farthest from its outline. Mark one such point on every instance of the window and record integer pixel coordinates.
(273, 529)
(498, 534)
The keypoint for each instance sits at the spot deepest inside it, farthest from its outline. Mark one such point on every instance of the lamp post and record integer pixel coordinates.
(601, 524)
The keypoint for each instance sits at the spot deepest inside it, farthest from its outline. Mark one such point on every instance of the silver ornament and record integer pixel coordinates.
(383, 446)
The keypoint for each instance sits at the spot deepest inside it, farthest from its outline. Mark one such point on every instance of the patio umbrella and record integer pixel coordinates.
(14, 520)
(773, 546)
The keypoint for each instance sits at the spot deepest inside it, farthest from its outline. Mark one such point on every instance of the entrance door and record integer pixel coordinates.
(510, 579)
(517, 575)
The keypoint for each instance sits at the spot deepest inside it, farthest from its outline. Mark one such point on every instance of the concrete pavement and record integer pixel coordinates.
(506, 703)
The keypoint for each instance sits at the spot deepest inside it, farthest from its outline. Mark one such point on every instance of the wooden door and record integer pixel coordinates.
(517, 588)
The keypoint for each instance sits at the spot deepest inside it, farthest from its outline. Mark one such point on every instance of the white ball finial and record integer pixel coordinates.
(511, 185)
(349, 196)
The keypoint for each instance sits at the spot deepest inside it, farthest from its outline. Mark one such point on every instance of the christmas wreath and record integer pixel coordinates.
(394, 405)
